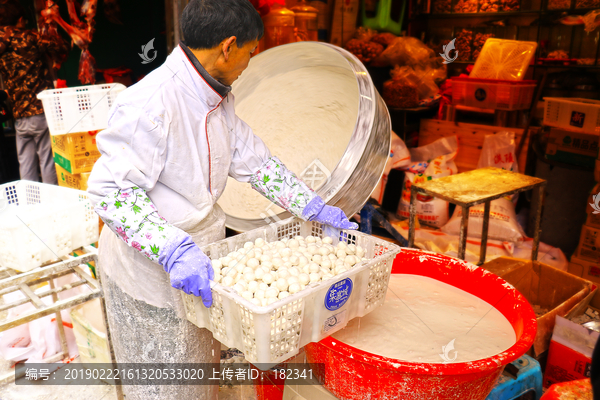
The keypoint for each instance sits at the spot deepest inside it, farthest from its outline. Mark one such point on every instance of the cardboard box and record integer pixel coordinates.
(75, 181)
(545, 286)
(589, 244)
(572, 147)
(343, 23)
(570, 353)
(76, 152)
(588, 270)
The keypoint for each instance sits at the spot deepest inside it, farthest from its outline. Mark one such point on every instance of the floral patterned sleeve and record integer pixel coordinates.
(280, 185)
(130, 214)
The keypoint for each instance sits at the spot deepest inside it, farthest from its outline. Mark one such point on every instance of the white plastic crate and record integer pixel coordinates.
(272, 334)
(492, 93)
(40, 222)
(79, 109)
(573, 114)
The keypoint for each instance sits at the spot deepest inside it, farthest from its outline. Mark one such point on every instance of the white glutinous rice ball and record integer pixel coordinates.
(360, 252)
(326, 263)
(277, 262)
(341, 246)
(310, 239)
(263, 286)
(350, 249)
(297, 254)
(286, 252)
(283, 295)
(247, 295)
(239, 288)
(340, 270)
(282, 284)
(294, 260)
(314, 277)
(238, 278)
(332, 257)
(252, 286)
(294, 271)
(227, 281)
(217, 277)
(268, 278)
(280, 245)
(248, 245)
(302, 260)
(350, 260)
(294, 288)
(259, 294)
(327, 240)
(313, 267)
(239, 267)
(265, 258)
(228, 271)
(259, 273)
(271, 300)
(312, 249)
(293, 244)
(253, 263)
(327, 276)
(292, 279)
(283, 273)
(259, 242)
(255, 301)
(341, 254)
(317, 258)
(267, 264)
(216, 264)
(249, 277)
(271, 292)
(304, 279)
(287, 264)
(226, 261)
(324, 271)
(323, 251)
(247, 269)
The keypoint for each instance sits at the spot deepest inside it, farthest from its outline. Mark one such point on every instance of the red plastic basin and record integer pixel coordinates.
(350, 373)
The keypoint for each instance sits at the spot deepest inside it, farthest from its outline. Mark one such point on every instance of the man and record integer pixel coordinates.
(171, 142)
(25, 74)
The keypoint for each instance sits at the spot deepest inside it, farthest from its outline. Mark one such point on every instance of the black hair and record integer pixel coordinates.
(10, 12)
(206, 23)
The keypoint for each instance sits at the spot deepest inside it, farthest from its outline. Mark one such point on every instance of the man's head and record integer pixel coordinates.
(227, 30)
(10, 12)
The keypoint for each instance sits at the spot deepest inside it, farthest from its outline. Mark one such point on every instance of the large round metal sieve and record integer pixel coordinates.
(358, 171)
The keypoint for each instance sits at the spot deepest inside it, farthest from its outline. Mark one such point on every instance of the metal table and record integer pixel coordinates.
(479, 186)
(10, 282)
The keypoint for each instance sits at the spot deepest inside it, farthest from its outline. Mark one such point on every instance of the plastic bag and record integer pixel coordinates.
(404, 51)
(420, 78)
(429, 162)
(498, 151)
(399, 158)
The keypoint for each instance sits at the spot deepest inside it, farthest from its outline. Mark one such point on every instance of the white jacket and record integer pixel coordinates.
(176, 137)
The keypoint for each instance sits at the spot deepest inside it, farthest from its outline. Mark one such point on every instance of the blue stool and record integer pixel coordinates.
(519, 377)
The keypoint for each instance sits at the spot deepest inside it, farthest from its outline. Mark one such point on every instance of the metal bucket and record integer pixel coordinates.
(359, 170)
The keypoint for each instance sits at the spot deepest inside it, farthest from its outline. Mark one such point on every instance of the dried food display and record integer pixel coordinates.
(490, 6)
(510, 5)
(587, 4)
(400, 94)
(559, 4)
(586, 61)
(478, 43)
(365, 51)
(558, 54)
(442, 6)
(384, 38)
(463, 45)
(466, 6)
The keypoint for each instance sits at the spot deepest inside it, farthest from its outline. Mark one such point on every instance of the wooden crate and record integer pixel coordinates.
(470, 139)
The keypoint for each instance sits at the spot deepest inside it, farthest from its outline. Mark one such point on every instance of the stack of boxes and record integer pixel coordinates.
(74, 158)
(585, 262)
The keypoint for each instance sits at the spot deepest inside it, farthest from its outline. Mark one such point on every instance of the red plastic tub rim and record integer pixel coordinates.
(498, 292)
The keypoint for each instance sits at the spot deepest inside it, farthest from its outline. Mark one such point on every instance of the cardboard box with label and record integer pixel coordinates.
(76, 152)
(570, 353)
(585, 269)
(545, 286)
(74, 181)
(572, 147)
(589, 244)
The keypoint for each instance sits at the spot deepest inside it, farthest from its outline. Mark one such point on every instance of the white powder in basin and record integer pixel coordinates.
(440, 313)
(302, 115)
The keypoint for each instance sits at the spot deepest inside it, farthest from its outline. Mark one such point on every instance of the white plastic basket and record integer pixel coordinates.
(40, 222)
(272, 334)
(573, 114)
(79, 109)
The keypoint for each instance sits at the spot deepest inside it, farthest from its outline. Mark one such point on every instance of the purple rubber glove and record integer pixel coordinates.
(317, 210)
(189, 268)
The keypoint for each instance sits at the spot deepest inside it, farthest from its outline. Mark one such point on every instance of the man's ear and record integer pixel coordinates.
(226, 46)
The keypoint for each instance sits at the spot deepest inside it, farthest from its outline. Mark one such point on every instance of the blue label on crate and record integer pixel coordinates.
(480, 94)
(338, 294)
(577, 119)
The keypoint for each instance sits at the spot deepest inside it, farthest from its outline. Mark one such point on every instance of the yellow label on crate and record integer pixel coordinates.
(76, 152)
